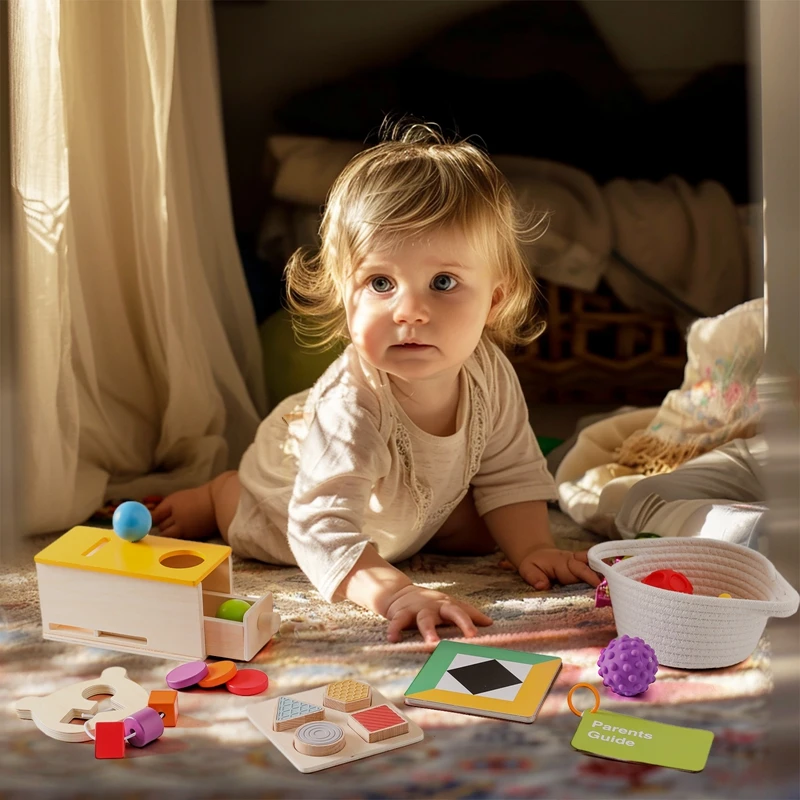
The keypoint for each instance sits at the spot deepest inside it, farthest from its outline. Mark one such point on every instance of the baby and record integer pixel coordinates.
(418, 434)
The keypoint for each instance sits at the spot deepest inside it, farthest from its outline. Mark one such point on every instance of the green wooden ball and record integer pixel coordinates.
(233, 610)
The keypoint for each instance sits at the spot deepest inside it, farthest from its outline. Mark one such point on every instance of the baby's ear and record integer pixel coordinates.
(498, 297)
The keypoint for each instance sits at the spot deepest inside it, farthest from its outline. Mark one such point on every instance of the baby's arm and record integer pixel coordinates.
(513, 484)
(375, 584)
(523, 533)
(342, 458)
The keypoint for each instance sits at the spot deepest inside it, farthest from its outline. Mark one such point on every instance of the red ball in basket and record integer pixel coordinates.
(669, 579)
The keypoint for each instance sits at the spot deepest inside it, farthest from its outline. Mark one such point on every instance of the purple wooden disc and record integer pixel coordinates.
(145, 725)
(187, 674)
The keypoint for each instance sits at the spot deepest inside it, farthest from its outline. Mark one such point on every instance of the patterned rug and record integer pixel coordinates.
(215, 752)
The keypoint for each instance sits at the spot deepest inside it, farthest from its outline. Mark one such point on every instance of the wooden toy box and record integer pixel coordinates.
(157, 597)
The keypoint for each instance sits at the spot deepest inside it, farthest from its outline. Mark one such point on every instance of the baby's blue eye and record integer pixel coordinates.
(444, 283)
(380, 284)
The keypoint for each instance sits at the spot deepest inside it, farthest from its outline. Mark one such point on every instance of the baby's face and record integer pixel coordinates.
(417, 311)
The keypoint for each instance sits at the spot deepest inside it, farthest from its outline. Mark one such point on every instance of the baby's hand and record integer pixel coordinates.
(427, 608)
(547, 564)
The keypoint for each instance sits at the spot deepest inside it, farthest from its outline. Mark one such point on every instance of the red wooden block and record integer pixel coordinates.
(109, 739)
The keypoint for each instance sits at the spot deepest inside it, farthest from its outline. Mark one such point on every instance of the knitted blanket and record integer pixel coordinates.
(716, 403)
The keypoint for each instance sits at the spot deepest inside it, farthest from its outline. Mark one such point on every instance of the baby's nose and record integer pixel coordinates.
(411, 309)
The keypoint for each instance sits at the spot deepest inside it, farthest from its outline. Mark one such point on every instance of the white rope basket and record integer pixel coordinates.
(700, 630)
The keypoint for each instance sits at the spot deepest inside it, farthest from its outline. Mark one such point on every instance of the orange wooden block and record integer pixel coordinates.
(165, 701)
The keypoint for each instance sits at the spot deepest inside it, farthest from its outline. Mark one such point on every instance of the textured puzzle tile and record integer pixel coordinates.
(347, 696)
(321, 738)
(378, 723)
(290, 712)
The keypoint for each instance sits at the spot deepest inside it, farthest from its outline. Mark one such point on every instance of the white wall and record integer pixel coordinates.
(779, 388)
(780, 157)
(312, 41)
(663, 44)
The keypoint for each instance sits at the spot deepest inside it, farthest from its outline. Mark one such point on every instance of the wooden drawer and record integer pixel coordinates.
(239, 641)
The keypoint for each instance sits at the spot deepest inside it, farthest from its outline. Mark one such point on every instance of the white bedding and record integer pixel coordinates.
(690, 240)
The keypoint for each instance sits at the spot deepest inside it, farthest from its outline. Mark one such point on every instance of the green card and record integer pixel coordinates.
(617, 736)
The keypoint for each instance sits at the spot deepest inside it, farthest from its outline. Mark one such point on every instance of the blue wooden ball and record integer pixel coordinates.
(131, 521)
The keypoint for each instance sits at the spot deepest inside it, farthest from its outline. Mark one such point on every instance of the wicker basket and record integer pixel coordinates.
(595, 350)
(701, 630)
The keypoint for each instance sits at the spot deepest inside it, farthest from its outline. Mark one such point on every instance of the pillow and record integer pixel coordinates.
(572, 252)
(307, 166)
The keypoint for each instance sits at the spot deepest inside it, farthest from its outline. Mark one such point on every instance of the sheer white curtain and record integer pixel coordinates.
(140, 361)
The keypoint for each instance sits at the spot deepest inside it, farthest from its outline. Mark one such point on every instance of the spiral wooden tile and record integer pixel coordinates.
(319, 738)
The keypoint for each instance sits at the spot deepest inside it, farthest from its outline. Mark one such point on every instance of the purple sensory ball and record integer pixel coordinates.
(628, 665)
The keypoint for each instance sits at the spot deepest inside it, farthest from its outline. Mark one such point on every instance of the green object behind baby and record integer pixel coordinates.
(288, 367)
(548, 443)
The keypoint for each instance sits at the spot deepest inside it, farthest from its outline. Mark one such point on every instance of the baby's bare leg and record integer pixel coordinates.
(464, 533)
(201, 512)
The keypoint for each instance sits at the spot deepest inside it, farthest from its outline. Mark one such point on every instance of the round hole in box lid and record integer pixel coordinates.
(181, 559)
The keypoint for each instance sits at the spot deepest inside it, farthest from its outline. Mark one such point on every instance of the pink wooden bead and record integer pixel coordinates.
(145, 725)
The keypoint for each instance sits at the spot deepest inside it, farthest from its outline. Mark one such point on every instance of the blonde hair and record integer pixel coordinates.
(415, 182)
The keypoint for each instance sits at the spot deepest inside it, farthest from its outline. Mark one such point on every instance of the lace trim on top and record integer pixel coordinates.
(479, 421)
(476, 442)
(421, 494)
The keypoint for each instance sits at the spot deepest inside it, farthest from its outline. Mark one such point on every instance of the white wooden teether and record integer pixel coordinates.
(53, 712)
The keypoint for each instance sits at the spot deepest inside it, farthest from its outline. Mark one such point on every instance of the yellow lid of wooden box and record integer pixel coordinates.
(155, 557)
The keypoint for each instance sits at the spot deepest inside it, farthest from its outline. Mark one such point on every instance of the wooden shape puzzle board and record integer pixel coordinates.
(262, 714)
